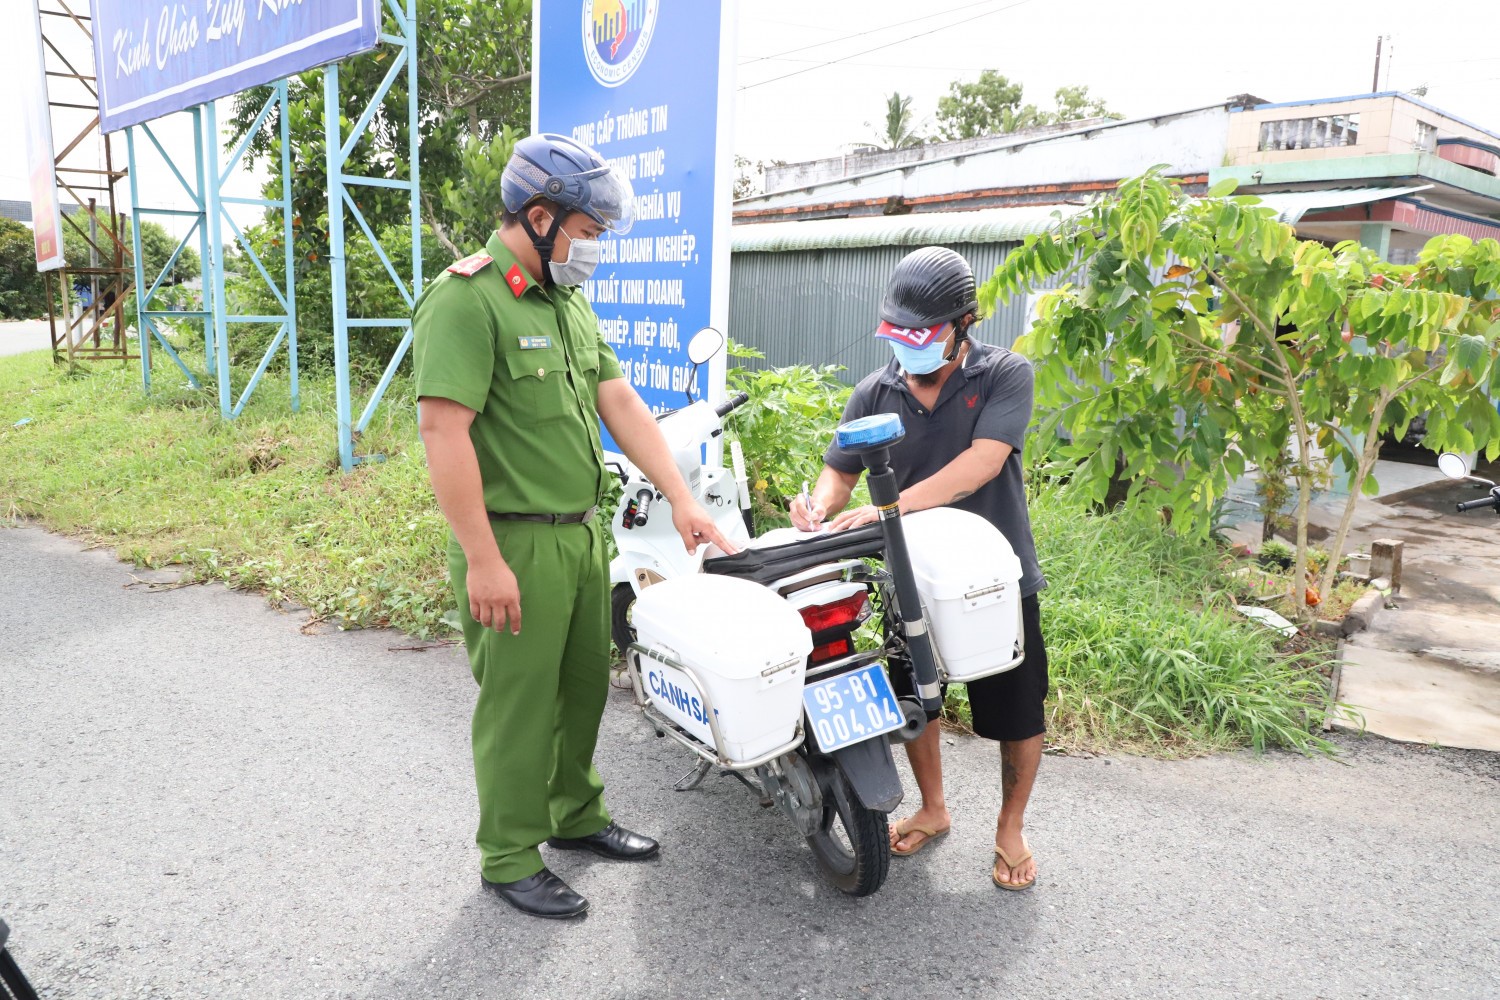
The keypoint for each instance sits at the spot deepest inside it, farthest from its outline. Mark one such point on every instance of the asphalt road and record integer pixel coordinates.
(27, 335)
(198, 800)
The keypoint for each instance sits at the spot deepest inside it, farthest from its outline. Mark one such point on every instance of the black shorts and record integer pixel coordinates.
(1008, 706)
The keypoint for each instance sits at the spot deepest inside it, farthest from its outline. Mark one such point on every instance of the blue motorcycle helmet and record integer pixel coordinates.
(573, 177)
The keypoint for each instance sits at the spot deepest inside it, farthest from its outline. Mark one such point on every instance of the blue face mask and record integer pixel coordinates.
(924, 361)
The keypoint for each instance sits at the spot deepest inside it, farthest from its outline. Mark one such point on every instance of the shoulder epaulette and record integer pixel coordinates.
(471, 265)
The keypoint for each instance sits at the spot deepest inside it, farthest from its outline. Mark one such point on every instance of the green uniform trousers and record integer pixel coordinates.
(541, 694)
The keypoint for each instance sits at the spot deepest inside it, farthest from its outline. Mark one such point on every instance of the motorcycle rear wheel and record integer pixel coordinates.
(621, 600)
(852, 843)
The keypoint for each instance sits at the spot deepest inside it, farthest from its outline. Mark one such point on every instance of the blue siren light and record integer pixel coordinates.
(874, 431)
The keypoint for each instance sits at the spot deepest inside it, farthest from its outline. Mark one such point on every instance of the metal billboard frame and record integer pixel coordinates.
(210, 218)
(202, 177)
(340, 182)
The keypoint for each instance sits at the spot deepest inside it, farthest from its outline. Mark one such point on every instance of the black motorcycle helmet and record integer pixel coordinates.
(930, 286)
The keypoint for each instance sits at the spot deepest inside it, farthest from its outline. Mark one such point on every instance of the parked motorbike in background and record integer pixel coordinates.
(751, 660)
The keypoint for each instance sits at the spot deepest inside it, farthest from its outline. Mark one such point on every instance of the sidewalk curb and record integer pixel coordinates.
(1362, 613)
(1334, 680)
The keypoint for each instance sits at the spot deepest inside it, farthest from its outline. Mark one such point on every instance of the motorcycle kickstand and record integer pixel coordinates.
(693, 778)
(766, 801)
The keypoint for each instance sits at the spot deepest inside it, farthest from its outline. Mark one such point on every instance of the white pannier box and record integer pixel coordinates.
(970, 582)
(747, 645)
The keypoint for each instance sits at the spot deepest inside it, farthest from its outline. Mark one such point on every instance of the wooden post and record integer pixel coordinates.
(1385, 561)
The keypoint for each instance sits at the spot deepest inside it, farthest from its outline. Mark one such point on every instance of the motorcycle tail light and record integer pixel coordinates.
(830, 651)
(847, 612)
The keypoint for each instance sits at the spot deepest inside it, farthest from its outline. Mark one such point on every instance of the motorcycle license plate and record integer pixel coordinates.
(851, 708)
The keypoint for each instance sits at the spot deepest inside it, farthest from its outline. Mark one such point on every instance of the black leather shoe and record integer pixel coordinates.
(613, 842)
(540, 895)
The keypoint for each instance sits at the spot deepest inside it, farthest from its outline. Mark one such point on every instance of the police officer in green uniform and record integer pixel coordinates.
(513, 379)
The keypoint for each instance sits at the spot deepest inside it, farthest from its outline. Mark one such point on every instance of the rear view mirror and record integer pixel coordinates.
(705, 344)
(1453, 466)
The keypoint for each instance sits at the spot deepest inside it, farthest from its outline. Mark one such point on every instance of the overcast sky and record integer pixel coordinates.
(1141, 58)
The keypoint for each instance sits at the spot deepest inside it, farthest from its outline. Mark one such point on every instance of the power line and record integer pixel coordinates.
(947, 67)
(877, 48)
(868, 31)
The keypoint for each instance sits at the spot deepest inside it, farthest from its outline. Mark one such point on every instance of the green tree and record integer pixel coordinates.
(474, 101)
(23, 291)
(1074, 103)
(992, 105)
(474, 81)
(156, 250)
(370, 291)
(749, 178)
(1197, 337)
(898, 131)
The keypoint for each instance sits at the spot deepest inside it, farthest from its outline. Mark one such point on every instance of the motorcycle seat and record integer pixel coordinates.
(767, 565)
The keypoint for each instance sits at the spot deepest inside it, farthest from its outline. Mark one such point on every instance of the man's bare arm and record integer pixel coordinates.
(494, 596)
(960, 478)
(634, 429)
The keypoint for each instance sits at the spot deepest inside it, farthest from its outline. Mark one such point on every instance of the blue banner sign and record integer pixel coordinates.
(154, 57)
(649, 84)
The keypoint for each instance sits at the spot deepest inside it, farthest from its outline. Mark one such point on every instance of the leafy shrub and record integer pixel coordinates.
(1275, 554)
(371, 293)
(784, 429)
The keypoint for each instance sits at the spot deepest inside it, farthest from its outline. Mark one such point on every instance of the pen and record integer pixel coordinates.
(806, 500)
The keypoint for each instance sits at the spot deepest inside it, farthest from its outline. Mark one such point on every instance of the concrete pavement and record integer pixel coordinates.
(1428, 668)
(198, 800)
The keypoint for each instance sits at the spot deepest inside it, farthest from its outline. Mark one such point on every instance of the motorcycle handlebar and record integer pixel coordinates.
(732, 403)
(1476, 504)
(643, 500)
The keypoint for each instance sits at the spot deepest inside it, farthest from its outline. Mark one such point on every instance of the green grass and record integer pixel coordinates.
(1146, 653)
(259, 503)
(1146, 650)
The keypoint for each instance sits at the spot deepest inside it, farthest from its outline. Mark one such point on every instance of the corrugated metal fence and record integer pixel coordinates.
(821, 306)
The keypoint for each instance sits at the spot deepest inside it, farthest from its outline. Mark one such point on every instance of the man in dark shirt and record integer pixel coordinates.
(965, 407)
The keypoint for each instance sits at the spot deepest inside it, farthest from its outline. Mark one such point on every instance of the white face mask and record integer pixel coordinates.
(583, 257)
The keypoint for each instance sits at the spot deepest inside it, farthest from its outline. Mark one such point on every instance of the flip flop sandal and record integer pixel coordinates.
(904, 827)
(1011, 863)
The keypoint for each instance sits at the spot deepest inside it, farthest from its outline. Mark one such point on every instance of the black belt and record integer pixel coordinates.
(583, 518)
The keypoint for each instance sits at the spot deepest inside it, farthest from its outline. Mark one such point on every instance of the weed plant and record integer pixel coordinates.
(1145, 647)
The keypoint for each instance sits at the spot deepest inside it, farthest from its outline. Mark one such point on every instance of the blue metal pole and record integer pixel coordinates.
(414, 140)
(265, 362)
(205, 258)
(208, 155)
(385, 381)
(333, 141)
(288, 237)
(142, 332)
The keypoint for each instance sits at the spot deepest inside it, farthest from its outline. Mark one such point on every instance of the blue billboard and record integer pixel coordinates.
(154, 57)
(649, 84)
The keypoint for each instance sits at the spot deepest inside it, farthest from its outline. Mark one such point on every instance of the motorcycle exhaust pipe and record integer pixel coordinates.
(871, 438)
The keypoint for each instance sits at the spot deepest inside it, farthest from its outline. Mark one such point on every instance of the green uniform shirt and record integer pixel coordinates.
(529, 363)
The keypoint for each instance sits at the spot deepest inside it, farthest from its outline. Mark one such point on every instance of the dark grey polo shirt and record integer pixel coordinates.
(988, 397)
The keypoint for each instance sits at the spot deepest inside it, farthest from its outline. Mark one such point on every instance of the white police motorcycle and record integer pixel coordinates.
(751, 662)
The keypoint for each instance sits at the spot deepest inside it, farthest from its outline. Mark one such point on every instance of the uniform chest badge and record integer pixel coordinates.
(535, 343)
